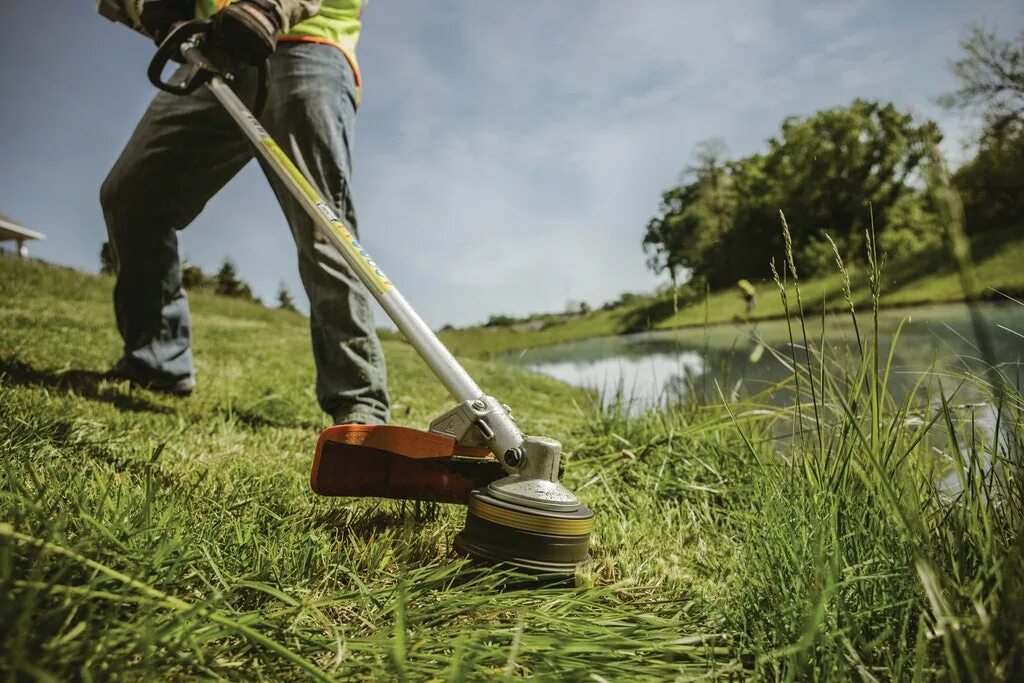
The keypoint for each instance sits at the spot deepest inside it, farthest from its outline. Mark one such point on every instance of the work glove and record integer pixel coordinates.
(248, 30)
(158, 17)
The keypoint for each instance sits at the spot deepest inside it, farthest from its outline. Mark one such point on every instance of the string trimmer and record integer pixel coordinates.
(474, 454)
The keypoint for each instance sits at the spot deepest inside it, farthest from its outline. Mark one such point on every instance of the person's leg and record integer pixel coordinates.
(182, 152)
(311, 114)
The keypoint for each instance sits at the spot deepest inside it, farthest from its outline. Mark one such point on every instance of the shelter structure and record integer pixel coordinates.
(11, 231)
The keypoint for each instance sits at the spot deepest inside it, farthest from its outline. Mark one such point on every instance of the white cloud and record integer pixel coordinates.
(831, 15)
(540, 170)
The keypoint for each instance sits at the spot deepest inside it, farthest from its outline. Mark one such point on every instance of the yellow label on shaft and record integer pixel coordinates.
(374, 275)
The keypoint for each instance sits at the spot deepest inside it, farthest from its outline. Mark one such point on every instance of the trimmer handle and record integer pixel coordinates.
(170, 49)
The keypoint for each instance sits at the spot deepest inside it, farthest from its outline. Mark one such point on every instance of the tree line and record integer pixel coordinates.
(842, 171)
(225, 282)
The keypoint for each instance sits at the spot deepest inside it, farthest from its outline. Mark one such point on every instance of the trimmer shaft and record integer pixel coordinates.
(529, 538)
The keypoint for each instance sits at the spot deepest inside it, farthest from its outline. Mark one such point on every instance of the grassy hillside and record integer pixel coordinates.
(148, 537)
(998, 259)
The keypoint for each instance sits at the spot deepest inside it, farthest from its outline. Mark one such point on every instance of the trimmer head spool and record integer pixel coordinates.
(545, 541)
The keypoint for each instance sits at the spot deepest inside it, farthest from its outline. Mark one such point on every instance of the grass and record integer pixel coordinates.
(999, 255)
(148, 537)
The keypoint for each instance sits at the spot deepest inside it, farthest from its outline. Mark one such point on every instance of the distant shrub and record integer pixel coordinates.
(108, 259)
(817, 256)
(500, 321)
(912, 232)
(193, 277)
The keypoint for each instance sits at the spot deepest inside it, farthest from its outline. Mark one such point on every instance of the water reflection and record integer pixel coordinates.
(658, 378)
(657, 369)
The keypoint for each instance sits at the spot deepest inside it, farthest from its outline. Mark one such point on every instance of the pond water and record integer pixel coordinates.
(654, 369)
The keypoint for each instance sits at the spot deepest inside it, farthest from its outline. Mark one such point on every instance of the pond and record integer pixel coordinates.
(654, 369)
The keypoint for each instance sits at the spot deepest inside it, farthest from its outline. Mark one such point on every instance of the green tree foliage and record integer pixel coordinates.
(992, 184)
(284, 299)
(108, 259)
(830, 173)
(500, 321)
(694, 217)
(991, 78)
(193, 277)
(227, 282)
(990, 75)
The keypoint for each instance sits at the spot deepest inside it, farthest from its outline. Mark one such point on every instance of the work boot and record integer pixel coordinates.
(126, 370)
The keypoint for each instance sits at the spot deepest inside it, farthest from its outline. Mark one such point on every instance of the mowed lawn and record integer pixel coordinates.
(147, 537)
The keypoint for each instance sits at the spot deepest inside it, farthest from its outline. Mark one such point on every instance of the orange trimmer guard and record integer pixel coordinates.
(385, 461)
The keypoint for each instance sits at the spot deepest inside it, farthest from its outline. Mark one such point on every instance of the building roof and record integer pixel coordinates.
(10, 230)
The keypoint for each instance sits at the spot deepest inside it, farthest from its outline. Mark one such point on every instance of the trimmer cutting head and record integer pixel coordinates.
(526, 520)
(528, 538)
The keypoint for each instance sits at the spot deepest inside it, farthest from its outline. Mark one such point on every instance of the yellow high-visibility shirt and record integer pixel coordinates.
(337, 23)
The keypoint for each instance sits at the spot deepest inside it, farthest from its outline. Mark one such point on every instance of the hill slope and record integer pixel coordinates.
(206, 501)
(147, 537)
(998, 257)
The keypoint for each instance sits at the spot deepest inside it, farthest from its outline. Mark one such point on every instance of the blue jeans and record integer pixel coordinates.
(182, 152)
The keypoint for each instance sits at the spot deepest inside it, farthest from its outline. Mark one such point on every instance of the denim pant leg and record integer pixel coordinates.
(311, 113)
(182, 152)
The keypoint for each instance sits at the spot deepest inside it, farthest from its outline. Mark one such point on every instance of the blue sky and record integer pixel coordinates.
(508, 155)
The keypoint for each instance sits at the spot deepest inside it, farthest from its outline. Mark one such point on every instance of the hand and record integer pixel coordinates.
(248, 30)
(158, 17)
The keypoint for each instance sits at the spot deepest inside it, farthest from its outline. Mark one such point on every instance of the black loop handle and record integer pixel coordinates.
(170, 49)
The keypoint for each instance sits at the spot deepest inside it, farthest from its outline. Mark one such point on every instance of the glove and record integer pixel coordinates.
(248, 30)
(158, 17)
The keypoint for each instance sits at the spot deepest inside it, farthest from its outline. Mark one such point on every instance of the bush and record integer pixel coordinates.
(500, 321)
(193, 277)
(911, 231)
(817, 256)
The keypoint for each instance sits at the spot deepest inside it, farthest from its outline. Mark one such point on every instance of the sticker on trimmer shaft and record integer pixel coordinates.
(370, 266)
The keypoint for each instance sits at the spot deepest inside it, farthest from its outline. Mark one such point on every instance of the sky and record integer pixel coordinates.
(507, 155)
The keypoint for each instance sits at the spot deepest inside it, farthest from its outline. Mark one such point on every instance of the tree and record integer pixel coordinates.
(500, 321)
(832, 172)
(714, 186)
(227, 282)
(838, 169)
(991, 77)
(991, 83)
(284, 299)
(108, 259)
(693, 219)
(991, 184)
(193, 277)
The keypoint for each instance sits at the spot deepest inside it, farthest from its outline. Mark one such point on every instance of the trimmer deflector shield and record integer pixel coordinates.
(386, 461)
